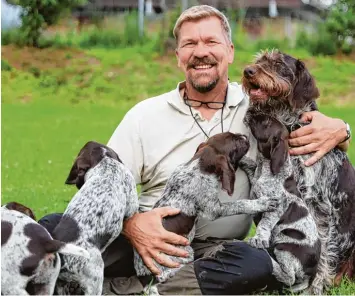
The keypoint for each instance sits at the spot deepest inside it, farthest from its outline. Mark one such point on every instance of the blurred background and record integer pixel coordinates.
(72, 68)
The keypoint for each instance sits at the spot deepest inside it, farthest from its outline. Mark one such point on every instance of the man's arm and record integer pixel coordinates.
(320, 136)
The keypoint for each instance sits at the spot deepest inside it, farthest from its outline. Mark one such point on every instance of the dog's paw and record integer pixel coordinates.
(313, 290)
(259, 242)
(269, 204)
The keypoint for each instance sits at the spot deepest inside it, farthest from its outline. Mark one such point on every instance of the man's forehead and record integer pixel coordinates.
(206, 27)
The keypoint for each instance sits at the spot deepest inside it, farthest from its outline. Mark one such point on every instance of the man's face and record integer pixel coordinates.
(204, 53)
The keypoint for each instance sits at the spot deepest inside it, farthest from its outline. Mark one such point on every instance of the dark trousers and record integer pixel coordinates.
(221, 268)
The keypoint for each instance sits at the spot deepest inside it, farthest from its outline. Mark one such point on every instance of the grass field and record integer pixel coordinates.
(53, 101)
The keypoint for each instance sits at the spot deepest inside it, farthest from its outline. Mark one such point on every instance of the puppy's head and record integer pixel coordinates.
(221, 154)
(20, 208)
(89, 156)
(272, 138)
(278, 76)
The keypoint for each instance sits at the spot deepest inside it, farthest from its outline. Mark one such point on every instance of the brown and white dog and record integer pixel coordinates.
(281, 86)
(30, 262)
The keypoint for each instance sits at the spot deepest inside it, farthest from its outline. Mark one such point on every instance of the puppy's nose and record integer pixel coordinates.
(249, 71)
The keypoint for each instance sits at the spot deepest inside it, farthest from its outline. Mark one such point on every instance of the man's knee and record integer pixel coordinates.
(237, 269)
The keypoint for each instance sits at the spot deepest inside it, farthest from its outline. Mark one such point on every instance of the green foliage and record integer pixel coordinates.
(323, 43)
(5, 66)
(347, 48)
(14, 36)
(37, 14)
(281, 44)
(340, 24)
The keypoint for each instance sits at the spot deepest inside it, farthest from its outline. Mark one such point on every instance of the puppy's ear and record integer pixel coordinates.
(226, 172)
(278, 155)
(305, 89)
(203, 144)
(78, 171)
(21, 208)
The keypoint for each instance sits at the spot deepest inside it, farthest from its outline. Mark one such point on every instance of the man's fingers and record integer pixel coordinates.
(301, 141)
(164, 260)
(148, 261)
(167, 211)
(308, 116)
(173, 251)
(302, 131)
(173, 238)
(304, 149)
(317, 156)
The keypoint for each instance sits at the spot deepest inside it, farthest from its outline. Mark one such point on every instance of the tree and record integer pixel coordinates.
(37, 14)
(340, 24)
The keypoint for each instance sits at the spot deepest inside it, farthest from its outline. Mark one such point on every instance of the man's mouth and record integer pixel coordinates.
(202, 67)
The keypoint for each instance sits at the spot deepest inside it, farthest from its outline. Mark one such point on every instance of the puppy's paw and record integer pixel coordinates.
(269, 204)
(259, 242)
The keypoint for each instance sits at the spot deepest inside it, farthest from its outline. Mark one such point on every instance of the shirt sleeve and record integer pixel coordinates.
(126, 142)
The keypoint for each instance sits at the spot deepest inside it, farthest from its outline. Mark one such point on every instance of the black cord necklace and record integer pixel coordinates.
(224, 102)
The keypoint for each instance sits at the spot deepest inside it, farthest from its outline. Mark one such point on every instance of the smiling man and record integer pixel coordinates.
(162, 132)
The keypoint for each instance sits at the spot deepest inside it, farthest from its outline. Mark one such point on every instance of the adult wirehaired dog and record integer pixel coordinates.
(290, 231)
(93, 218)
(30, 262)
(194, 188)
(281, 86)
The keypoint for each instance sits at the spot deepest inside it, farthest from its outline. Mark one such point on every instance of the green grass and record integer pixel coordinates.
(49, 111)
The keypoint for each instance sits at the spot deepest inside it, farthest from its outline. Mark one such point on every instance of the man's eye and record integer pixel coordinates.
(189, 44)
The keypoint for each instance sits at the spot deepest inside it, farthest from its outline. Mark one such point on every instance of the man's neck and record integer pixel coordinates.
(215, 95)
(218, 94)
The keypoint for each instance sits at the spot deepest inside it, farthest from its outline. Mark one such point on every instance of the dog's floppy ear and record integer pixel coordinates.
(226, 172)
(278, 155)
(305, 89)
(77, 173)
(203, 144)
(21, 208)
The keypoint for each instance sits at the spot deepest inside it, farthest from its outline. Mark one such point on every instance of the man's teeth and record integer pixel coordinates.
(203, 67)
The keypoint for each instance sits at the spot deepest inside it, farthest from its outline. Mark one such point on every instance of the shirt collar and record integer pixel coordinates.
(234, 96)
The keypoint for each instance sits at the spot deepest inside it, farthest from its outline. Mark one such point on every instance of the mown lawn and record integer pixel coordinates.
(54, 101)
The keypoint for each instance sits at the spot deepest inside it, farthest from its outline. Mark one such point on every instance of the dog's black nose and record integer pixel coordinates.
(249, 71)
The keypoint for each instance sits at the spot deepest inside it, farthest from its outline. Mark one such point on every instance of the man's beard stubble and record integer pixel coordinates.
(203, 88)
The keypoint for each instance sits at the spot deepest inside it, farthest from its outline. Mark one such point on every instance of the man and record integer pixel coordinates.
(160, 133)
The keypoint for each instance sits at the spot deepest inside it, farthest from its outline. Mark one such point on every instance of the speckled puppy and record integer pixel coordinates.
(94, 217)
(29, 255)
(290, 231)
(194, 189)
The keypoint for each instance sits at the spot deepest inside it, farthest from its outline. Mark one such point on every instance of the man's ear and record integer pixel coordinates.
(226, 173)
(278, 155)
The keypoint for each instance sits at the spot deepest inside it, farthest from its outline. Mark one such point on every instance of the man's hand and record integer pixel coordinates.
(147, 234)
(320, 136)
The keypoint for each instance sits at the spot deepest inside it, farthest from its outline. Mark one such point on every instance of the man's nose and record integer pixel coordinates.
(201, 50)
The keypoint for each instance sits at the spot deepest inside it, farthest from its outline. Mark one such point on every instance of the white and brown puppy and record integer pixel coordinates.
(93, 218)
(194, 188)
(30, 262)
(290, 231)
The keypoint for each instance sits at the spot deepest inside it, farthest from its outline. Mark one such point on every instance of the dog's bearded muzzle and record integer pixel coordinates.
(261, 84)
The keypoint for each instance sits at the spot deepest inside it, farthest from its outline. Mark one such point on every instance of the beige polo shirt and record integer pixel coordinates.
(159, 133)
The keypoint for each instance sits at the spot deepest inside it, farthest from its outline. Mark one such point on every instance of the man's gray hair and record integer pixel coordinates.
(199, 12)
